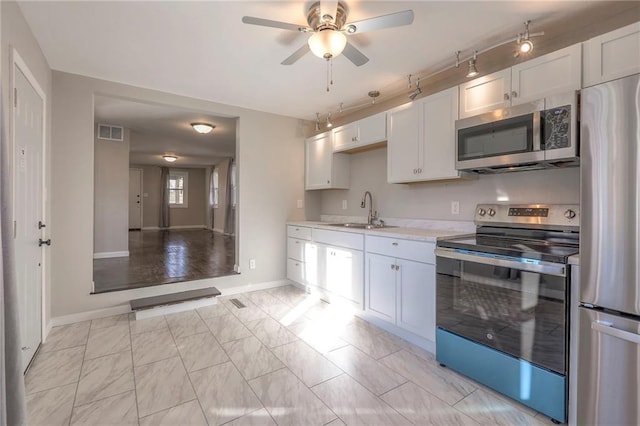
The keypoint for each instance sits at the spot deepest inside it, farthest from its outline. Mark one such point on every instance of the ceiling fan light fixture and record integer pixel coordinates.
(327, 43)
(351, 28)
(169, 158)
(203, 128)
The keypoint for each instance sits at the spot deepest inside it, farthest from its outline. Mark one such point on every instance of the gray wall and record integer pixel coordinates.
(194, 215)
(111, 195)
(268, 191)
(17, 34)
(433, 200)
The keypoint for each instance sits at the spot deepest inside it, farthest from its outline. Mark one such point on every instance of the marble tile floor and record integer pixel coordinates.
(285, 359)
(164, 257)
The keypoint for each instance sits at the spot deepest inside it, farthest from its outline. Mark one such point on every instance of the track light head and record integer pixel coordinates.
(329, 123)
(473, 71)
(414, 93)
(525, 45)
(317, 121)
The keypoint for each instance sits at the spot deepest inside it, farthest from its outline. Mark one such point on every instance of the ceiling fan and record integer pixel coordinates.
(327, 21)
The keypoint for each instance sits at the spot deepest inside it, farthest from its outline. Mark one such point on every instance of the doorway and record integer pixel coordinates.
(28, 177)
(135, 199)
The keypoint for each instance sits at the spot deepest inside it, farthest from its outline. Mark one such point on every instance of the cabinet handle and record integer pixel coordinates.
(514, 94)
(419, 170)
(328, 181)
(297, 242)
(394, 244)
(393, 267)
(397, 267)
(506, 96)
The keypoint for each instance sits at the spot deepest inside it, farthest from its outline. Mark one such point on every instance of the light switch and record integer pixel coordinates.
(299, 204)
(344, 204)
(455, 207)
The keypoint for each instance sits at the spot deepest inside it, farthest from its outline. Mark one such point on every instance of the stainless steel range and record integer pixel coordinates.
(502, 302)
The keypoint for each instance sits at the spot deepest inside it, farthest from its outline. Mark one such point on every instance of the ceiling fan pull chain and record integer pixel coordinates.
(328, 74)
(331, 70)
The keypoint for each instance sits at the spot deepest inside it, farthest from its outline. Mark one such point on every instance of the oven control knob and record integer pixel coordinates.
(491, 212)
(482, 212)
(569, 214)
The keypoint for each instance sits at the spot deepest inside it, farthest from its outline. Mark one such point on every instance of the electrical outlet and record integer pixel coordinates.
(455, 207)
(252, 264)
(299, 204)
(344, 204)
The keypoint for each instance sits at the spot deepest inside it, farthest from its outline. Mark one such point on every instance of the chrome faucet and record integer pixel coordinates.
(372, 215)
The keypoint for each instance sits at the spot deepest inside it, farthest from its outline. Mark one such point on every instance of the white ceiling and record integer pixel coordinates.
(163, 129)
(203, 50)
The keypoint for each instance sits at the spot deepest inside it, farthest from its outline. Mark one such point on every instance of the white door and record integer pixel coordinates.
(28, 172)
(135, 199)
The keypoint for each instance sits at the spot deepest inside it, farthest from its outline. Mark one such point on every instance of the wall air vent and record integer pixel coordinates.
(110, 133)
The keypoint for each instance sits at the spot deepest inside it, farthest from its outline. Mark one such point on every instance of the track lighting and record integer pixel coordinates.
(329, 124)
(317, 121)
(524, 43)
(473, 71)
(415, 92)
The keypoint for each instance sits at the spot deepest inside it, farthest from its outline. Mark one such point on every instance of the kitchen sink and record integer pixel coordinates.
(360, 226)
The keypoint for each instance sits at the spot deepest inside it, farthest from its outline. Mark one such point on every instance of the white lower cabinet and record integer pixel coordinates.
(401, 291)
(330, 261)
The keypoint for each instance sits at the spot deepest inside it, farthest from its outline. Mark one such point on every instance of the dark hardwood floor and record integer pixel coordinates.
(163, 257)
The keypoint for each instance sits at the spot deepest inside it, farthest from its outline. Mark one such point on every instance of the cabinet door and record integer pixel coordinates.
(557, 72)
(380, 283)
(372, 129)
(612, 55)
(318, 158)
(295, 271)
(485, 94)
(345, 137)
(311, 270)
(416, 298)
(344, 270)
(439, 113)
(404, 147)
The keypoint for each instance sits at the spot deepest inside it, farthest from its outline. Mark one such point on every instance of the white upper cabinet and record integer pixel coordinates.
(323, 168)
(612, 55)
(485, 94)
(360, 133)
(557, 72)
(404, 144)
(421, 142)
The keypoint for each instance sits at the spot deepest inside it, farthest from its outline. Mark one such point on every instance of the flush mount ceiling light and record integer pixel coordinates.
(169, 158)
(203, 128)
(473, 71)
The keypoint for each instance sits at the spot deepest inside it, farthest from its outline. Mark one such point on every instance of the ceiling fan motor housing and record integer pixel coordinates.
(316, 21)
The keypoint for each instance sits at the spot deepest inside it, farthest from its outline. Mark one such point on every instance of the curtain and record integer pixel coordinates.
(212, 199)
(229, 217)
(164, 197)
(13, 404)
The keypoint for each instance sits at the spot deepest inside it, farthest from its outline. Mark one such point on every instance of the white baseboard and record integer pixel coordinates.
(252, 287)
(219, 231)
(157, 228)
(123, 309)
(109, 254)
(175, 308)
(47, 330)
(89, 315)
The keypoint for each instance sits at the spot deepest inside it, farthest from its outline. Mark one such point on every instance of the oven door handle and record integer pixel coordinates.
(547, 268)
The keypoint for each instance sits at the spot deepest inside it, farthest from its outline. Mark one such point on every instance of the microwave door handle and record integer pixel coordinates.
(541, 267)
(537, 131)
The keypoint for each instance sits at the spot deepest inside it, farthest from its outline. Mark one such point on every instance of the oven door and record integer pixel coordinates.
(517, 306)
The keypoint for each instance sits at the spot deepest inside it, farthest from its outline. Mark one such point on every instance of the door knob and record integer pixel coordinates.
(25, 348)
(42, 242)
(41, 225)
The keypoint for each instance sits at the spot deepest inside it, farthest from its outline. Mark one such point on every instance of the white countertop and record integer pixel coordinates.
(419, 234)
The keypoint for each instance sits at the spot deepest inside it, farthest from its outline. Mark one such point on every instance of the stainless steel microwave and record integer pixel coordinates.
(531, 136)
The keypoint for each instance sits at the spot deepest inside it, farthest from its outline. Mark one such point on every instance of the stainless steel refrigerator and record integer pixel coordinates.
(609, 321)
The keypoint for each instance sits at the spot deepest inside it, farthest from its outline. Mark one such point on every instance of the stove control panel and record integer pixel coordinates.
(542, 216)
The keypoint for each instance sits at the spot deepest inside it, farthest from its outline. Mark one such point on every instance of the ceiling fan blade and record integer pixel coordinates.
(274, 24)
(397, 19)
(296, 55)
(328, 7)
(354, 55)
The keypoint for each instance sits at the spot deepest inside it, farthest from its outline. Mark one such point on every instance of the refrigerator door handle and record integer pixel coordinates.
(608, 328)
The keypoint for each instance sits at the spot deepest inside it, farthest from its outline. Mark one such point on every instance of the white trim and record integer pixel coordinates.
(123, 309)
(157, 228)
(17, 61)
(175, 308)
(90, 315)
(109, 254)
(220, 231)
(47, 331)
